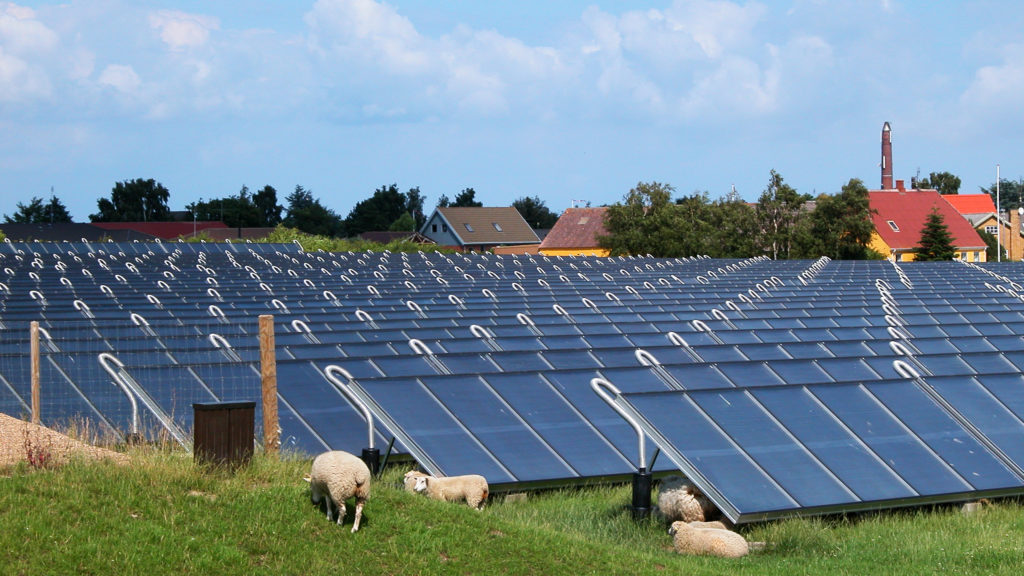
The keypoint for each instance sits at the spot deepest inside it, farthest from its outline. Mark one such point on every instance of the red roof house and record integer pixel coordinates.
(900, 214)
(575, 233)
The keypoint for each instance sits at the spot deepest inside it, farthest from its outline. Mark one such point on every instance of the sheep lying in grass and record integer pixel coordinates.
(678, 500)
(471, 488)
(339, 476)
(689, 539)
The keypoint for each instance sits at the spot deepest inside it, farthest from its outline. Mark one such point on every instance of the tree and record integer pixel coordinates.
(267, 207)
(993, 251)
(1011, 194)
(384, 208)
(840, 225)
(778, 210)
(35, 212)
(944, 182)
(466, 198)
(405, 223)
(644, 223)
(535, 212)
(307, 214)
(414, 201)
(237, 211)
(936, 242)
(733, 228)
(134, 201)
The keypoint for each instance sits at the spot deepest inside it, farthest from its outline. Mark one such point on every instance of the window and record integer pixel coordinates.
(497, 226)
(468, 227)
(892, 224)
(433, 227)
(444, 227)
(992, 229)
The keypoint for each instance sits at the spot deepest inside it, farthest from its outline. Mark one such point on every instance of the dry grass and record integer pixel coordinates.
(41, 447)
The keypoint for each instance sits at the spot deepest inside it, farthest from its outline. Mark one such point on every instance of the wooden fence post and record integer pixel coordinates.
(268, 373)
(34, 353)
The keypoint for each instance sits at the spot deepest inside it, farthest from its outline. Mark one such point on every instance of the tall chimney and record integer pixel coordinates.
(886, 157)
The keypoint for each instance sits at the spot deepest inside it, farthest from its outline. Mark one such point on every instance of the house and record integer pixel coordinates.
(480, 229)
(169, 230)
(900, 214)
(70, 232)
(980, 211)
(575, 233)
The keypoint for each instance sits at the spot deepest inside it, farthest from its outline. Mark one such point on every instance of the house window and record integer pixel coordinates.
(468, 227)
(892, 224)
(433, 227)
(444, 227)
(975, 256)
(497, 226)
(992, 230)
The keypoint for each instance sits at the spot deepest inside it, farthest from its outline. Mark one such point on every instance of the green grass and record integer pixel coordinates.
(165, 515)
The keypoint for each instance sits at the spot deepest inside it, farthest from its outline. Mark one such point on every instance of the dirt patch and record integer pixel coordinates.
(22, 441)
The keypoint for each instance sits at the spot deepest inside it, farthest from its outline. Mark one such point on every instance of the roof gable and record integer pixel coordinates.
(487, 225)
(576, 228)
(899, 217)
(971, 203)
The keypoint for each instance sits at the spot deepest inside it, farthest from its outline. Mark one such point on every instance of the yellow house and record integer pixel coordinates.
(900, 214)
(980, 211)
(575, 233)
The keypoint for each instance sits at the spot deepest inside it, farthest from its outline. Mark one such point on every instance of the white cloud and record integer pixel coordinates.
(22, 33)
(120, 77)
(1000, 85)
(181, 30)
(369, 33)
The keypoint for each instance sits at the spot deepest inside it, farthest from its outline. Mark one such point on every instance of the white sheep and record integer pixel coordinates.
(678, 500)
(339, 476)
(687, 539)
(471, 488)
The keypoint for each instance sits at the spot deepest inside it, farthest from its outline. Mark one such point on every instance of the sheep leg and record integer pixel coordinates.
(359, 514)
(341, 512)
(328, 506)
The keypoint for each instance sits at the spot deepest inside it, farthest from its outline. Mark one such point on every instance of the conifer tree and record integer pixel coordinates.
(936, 241)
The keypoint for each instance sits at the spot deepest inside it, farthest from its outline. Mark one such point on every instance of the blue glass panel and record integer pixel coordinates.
(848, 369)
(702, 444)
(561, 426)
(940, 365)
(745, 374)
(985, 411)
(504, 434)
(989, 363)
(468, 363)
(570, 359)
(775, 451)
(904, 452)
(520, 361)
(934, 346)
(969, 344)
(404, 366)
(848, 349)
(800, 371)
(433, 429)
(843, 453)
(947, 438)
(698, 376)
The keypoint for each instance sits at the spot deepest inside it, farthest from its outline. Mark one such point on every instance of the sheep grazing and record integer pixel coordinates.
(678, 500)
(688, 539)
(471, 488)
(339, 476)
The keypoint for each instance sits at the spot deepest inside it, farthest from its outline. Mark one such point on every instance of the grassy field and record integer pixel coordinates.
(165, 515)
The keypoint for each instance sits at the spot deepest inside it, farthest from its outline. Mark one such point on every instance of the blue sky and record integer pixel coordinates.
(567, 101)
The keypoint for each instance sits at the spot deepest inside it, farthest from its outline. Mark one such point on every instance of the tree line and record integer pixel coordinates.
(388, 208)
(782, 224)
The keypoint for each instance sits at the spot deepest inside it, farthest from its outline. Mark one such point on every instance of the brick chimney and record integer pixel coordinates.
(1015, 244)
(899, 185)
(886, 157)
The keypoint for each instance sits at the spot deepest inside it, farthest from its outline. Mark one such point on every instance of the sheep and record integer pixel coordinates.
(678, 500)
(339, 476)
(714, 525)
(471, 488)
(687, 539)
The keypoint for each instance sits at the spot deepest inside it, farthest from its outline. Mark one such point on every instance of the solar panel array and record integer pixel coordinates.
(779, 388)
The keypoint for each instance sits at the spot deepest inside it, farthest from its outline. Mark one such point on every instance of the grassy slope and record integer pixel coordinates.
(165, 516)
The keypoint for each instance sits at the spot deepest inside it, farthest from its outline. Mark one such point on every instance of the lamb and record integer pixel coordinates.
(471, 488)
(678, 500)
(339, 476)
(687, 539)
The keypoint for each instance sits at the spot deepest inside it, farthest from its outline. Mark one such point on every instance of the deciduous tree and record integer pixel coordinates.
(535, 212)
(134, 201)
(35, 212)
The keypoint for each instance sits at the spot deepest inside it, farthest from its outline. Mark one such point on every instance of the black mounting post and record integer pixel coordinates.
(641, 494)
